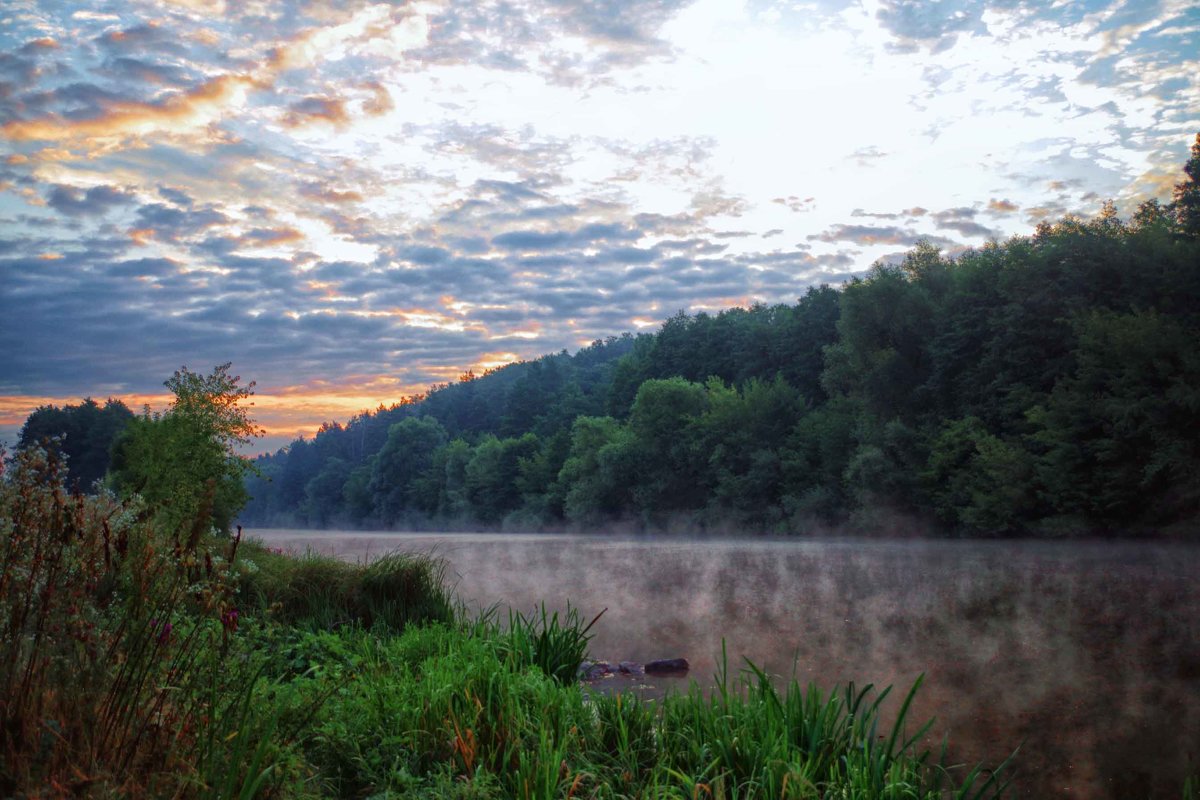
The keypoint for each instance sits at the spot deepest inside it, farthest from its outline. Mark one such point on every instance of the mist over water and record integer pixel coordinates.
(1087, 654)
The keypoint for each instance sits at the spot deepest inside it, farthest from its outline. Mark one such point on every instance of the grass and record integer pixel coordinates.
(318, 592)
(443, 710)
(555, 646)
(138, 662)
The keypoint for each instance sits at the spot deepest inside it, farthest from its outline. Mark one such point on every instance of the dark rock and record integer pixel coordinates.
(594, 670)
(667, 666)
(630, 668)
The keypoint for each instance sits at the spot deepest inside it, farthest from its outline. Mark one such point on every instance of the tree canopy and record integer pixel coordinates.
(183, 461)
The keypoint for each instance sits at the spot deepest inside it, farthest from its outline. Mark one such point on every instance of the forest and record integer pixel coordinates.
(1048, 385)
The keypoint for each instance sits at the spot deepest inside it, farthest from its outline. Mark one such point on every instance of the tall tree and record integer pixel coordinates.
(84, 433)
(184, 462)
(1187, 195)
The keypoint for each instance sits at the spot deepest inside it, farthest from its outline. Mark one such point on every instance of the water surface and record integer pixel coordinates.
(1087, 653)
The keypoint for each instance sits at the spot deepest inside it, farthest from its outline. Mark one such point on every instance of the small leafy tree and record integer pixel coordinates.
(184, 461)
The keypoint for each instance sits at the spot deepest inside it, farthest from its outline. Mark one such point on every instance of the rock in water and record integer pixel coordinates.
(667, 666)
(594, 670)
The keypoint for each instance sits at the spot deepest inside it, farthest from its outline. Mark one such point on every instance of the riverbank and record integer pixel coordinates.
(1087, 654)
(140, 662)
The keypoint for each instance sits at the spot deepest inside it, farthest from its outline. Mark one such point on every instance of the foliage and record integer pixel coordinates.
(121, 671)
(183, 462)
(1187, 196)
(1042, 384)
(138, 663)
(82, 433)
(555, 646)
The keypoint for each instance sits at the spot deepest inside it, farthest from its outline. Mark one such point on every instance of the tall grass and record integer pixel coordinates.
(438, 710)
(115, 641)
(318, 592)
(556, 646)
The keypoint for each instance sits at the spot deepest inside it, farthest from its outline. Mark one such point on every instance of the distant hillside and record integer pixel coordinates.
(1048, 385)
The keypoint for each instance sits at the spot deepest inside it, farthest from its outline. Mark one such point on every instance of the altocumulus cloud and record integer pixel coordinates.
(375, 197)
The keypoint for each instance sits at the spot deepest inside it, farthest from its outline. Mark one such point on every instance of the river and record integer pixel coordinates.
(1087, 654)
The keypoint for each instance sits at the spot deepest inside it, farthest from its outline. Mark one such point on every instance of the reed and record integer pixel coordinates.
(117, 642)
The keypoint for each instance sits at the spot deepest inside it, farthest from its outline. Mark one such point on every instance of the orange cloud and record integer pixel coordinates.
(284, 413)
(532, 330)
(488, 361)
(180, 110)
(15, 409)
(1002, 206)
(316, 191)
(376, 29)
(141, 236)
(316, 109)
(426, 318)
(380, 102)
(271, 237)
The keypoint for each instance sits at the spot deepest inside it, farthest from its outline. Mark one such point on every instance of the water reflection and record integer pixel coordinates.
(1088, 653)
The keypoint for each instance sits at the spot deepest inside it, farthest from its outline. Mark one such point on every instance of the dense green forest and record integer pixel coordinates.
(1046, 385)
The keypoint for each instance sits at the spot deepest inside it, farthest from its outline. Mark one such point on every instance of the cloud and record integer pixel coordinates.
(326, 194)
(866, 234)
(126, 68)
(270, 237)
(909, 213)
(175, 196)
(179, 110)
(968, 228)
(795, 204)
(932, 25)
(174, 224)
(550, 240)
(76, 202)
(316, 109)
(380, 101)
(140, 38)
(298, 188)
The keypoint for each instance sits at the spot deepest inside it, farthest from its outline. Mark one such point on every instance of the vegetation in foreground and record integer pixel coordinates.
(141, 655)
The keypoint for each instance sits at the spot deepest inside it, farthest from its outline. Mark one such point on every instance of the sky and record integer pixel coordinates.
(352, 201)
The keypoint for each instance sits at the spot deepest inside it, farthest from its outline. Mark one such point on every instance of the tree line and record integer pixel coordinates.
(182, 462)
(1046, 385)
